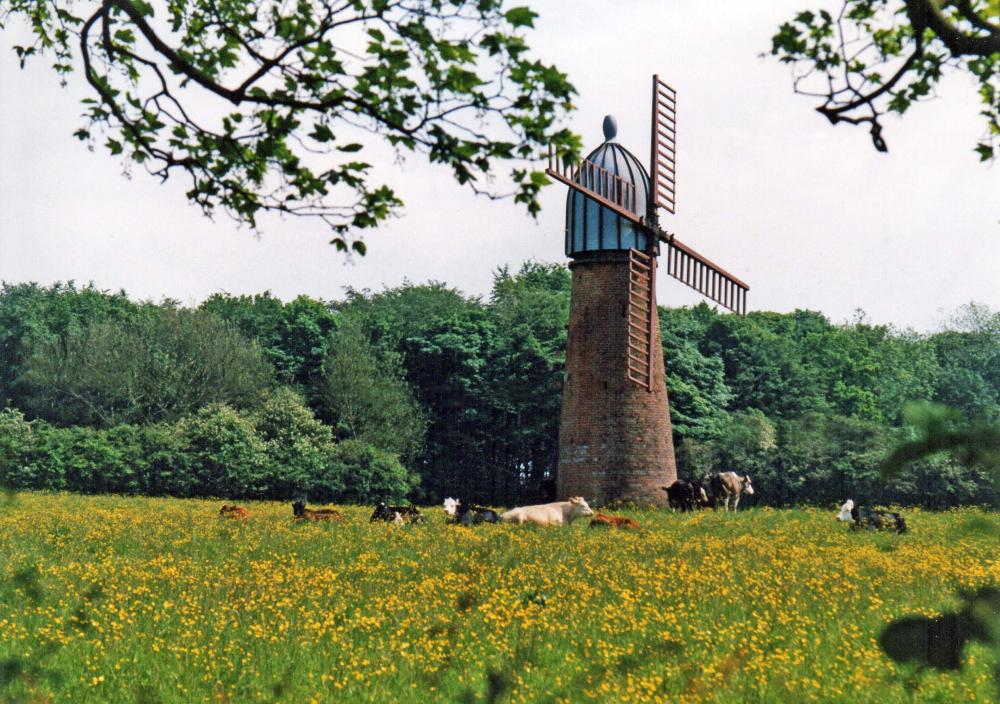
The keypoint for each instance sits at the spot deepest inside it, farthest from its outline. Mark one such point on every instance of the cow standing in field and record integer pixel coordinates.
(727, 488)
(705, 485)
(554, 514)
(685, 496)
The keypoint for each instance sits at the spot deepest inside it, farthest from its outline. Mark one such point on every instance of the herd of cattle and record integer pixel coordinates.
(722, 489)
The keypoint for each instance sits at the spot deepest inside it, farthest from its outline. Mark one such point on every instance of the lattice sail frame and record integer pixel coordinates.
(663, 148)
(599, 184)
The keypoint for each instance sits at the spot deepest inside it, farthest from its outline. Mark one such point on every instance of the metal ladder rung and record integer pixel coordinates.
(643, 351)
(637, 370)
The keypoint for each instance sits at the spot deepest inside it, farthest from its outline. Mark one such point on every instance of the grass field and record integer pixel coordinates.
(107, 599)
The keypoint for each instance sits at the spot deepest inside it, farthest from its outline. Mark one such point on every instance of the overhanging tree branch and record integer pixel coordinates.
(844, 60)
(453, 81)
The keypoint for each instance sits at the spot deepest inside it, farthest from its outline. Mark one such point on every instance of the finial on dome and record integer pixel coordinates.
(610, 128)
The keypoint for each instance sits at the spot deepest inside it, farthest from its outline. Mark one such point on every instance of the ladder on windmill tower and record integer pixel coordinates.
(682, 262)
(641, 309)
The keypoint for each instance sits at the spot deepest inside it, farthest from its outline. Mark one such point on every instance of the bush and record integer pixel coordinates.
(40, 456)
(92, 462)
(357, 472)
(225, 456)
(297, 446)
(280, 452)
(17, 439)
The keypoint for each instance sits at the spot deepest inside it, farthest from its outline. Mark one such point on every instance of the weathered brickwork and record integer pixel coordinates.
(615, 439)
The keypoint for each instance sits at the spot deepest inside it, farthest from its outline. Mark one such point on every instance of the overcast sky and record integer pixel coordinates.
(808, 214)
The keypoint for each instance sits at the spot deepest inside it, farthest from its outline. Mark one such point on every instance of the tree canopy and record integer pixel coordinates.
(422, 389)
(261, 106)
(881, 56)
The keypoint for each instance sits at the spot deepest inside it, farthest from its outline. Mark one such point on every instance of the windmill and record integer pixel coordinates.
(615, 437)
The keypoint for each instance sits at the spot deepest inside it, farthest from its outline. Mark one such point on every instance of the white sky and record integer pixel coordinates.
(808, 214)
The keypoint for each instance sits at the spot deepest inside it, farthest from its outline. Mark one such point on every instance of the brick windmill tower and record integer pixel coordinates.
(615, 438)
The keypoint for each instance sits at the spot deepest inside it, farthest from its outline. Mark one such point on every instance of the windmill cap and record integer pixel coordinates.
(610, 128)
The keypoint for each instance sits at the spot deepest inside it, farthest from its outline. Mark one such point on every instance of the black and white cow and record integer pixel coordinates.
(705, 485)
(469, 514)
(862, 518)
(396, 514)
(727, 487)
(685, 496)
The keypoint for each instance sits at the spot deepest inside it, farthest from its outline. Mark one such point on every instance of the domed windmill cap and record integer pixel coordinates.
(592, 227)
(610, 128)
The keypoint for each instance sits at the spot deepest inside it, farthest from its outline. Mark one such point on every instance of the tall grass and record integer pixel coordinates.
(110, 599)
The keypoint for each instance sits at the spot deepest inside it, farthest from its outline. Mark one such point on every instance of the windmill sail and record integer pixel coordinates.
(605, 187)
(641, 309)
(704, 276)
(663, 159)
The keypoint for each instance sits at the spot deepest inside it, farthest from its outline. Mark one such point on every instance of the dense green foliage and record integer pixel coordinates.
(280, 452)
(269, 106)
(363, 395)
(466, 394)
(158, 367)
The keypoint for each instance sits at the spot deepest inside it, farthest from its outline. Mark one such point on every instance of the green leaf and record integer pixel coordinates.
(985, 152)
(521, 16)
(538, 178)
(145, 9)
(322, 133)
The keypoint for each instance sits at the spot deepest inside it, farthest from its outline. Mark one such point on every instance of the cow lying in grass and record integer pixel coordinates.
(602, 520)
(307, 514)
(870, 518)
(233, 512)
(395, 514)
(554, 514)
(685, 496)
(469, 514)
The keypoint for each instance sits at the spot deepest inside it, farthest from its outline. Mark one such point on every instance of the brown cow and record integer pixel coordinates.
(233, 512)
(602, 520)
(307, 514)
(727, 487)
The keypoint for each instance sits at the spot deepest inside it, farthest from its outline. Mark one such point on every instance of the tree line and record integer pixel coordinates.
(422, 392)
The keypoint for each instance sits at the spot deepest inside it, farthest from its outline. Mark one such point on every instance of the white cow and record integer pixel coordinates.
(845, 512)
(554, 514)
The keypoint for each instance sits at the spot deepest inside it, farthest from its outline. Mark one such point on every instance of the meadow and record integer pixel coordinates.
(117, 599)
